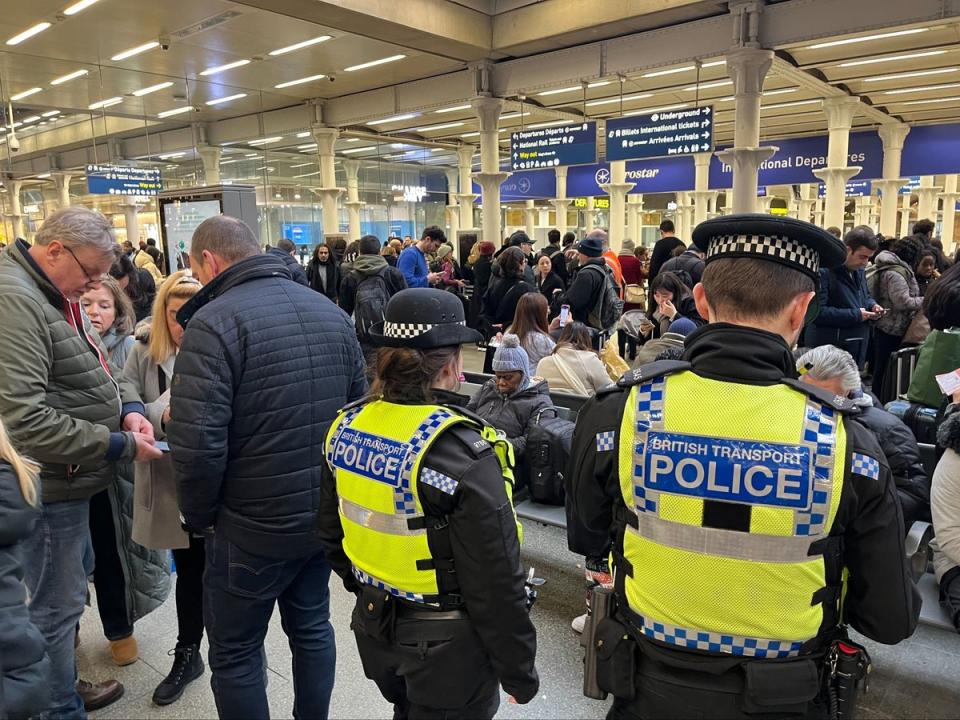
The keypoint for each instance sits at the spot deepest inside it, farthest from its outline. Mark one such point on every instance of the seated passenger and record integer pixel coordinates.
(670, 340)
(574, 365)
(835, 371)
(945, 504)
(531, 325)
(940, 352)
(510, 401)
(672, 299)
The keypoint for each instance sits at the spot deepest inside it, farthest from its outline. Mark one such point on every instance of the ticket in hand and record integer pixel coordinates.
(949, 382)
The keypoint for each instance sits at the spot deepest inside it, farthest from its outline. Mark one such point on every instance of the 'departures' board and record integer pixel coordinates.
(554, 146)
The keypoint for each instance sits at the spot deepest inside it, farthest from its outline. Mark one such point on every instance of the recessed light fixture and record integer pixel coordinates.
(892, 58)
(78, 6)
(455, 108)
(28, 33)
(175, 111)
(925, 88)
(229, 162)
(229, 66)
(514, 115)
(168, 156)
(25, 94)
(303, 134)
(672, 71)
(266, 141)
(151, 89)
(353, 140)
(932, 100)
(106, 103)
(444, 126)
(228, 98)
(43, 176)
(300, 165)
(356, 150)
(709, 85)
(252, 155)
(291, 83)
(470, 134)
(395, 118)
(795, 103)
(308, 174)
(626, 98)
(300, 45)
(665, 108)
(31, 119)
(135, 51)
(917, 73)
(784, 91)
(599, 83)
(866, 38)
(374, 63)
(70, 76)
(308, 146)
(714, 63)
(50, 113)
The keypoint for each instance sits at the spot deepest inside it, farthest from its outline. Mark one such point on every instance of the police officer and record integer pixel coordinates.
(742, 508)
(416, 517)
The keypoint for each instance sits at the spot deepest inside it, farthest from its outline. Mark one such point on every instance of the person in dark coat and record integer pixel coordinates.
(323, 272)
(846, 308)
(138, 285)
(285, 250)
(263, 368)
(549, 283)
(482, 270)
(664, 247)
(688, 265)
(554, 251)
(672, 300)
(506, 286)
(586, 286)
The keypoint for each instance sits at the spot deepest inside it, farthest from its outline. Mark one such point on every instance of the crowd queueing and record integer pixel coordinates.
(262, 423)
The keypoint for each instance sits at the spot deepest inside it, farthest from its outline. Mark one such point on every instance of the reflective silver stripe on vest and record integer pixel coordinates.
(381, 522)
(718, 642)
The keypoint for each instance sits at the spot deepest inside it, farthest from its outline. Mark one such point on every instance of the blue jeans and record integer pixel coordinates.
(239, 592)
(57, 582)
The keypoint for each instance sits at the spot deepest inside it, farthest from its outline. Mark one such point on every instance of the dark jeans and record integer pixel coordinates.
(190, 563)
(883, 346)
(108, 578)
(240, 590)
(623, 341)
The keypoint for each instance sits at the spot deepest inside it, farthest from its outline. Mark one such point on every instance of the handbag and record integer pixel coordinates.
(634, 294)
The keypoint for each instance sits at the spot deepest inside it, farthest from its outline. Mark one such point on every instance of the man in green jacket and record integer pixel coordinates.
(66, 407)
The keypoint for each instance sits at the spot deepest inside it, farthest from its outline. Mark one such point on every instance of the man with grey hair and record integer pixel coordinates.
(66, 407)
(264, 367)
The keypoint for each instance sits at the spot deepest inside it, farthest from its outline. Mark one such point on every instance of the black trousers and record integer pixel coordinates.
(624, 340)
(433, 669)
(883, 346)
(190, 563)
(108, 579)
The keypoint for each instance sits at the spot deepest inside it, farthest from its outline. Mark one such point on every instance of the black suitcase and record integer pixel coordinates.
(899, 372)
(922, 420)
(548, 449)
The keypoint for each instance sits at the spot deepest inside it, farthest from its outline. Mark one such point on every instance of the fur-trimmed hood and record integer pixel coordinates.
(948, 434)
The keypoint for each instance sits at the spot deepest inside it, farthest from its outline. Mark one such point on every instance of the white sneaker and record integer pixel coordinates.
(578, 623)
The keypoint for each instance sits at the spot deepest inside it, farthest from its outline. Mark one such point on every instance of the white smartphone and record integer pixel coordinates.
(564, 315)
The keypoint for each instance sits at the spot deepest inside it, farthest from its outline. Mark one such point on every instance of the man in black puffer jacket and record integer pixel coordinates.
(284, 251)
(264, 367)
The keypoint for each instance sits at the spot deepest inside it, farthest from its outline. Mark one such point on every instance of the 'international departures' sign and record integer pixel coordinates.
(122, 180)
(551, 147)
(675, 132)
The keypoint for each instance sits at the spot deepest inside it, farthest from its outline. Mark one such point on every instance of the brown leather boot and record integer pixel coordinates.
(99, 695)
(124, 651)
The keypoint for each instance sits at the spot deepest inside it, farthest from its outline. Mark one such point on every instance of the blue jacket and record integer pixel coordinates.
(840, 296)
(413, 265)
(264, 367)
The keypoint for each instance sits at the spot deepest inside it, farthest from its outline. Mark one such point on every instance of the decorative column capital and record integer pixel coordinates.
(747, 67)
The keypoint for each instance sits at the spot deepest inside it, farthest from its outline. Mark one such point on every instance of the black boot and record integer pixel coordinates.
(187, 667)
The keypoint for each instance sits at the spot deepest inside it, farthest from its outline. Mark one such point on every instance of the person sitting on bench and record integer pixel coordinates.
(945, 506)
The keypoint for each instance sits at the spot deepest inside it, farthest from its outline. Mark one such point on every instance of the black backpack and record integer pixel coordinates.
(609, 307)
(547, 453)
(370, 304)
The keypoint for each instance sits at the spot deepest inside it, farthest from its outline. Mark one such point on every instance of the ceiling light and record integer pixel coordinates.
(709, 85)
(228, 98)
(229, 162)
(308, 146)
(252, 155)
(71, 76)
(228, 66)
(300, 165)
(43, 176)
(925, 88)
(933, 100)
(395, 118)
(32, 118)
(317, 172)
(299, 45)
(599, 83)
(672, 71)
(865, 38)
(665, 108)
(28, 33)
(471, 134)
(374, 63)
(511, 116)
(795, 103)
(356, 150)
(25, 94)
(714, 63)
(175, 111)
(78, 6)
(151, 89)
(50, 113)
(625, 98)
(548, 124)
(455, 108)
(444, 126)
(904, 75)
(168, 156)
(266, 141)
(135, 51)
(303, 134)
(891, 58)
(105, 103)
(291, 83)
(353, 140)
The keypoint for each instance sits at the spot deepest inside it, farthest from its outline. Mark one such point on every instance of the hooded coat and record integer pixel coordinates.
(366, 266)
(898, 292)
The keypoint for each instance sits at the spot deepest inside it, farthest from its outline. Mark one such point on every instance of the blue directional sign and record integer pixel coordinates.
(665, 133)
(121, 180)
(855, 188)
(554, 146)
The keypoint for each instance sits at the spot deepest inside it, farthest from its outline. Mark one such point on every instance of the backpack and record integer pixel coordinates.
(370, 304)
(606, 313)
(547, 453)
(873, 277)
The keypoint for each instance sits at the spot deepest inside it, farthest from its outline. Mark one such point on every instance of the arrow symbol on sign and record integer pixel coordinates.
(705, 123)
(706, 110)
(705, 135)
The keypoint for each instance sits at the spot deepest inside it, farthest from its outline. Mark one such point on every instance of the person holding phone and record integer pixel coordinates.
(672, 300)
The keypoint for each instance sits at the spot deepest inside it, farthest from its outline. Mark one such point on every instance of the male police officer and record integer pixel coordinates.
(741, 504)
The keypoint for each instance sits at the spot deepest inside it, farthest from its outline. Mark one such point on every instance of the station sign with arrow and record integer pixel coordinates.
(661, 134)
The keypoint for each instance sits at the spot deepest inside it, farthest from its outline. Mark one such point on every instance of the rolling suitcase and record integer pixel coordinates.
(921, 420)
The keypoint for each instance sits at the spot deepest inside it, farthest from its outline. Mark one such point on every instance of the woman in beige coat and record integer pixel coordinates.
(574, 366)
(156, 514)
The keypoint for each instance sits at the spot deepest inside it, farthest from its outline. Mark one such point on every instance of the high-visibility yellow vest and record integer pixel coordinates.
(375, 451)
(731, 491)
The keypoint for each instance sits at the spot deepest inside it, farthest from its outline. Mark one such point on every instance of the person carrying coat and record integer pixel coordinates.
(416, 518)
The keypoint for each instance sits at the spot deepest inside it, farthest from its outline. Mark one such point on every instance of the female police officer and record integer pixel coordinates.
(417, 519)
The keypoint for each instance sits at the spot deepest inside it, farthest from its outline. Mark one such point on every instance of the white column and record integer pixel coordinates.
(543, 217)
(747, 67)
(839, 112)
(453, 210)
(561, 203)
(765, 202)
(808, 198)
(864, 208)
(701, 188)
(617, 189)
(635, 218)
(210, 159)
(927, 196)
(16, 210)
(950, 198)
(490, 177)
(530, 217)
(905, 213)
(466, 196)
(892, 135)
(62, 182)
(130, 210)
(326, 138)
(352, 170)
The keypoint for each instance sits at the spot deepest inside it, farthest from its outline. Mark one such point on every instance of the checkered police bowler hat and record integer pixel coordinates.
(423, 318)
(783, 240)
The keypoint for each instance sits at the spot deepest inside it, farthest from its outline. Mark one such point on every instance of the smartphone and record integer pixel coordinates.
(564, 315)
(162, 446)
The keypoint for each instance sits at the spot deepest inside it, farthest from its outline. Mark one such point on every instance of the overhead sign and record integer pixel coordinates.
(911, 187)
(648, 176)
(410, 193)
(554, 146)
(855, 188)
(527, 185)
(122, 180)
(599, 203)
(675, 132)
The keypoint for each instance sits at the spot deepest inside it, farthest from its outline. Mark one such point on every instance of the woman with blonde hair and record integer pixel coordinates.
(24, 664)
(156, 514)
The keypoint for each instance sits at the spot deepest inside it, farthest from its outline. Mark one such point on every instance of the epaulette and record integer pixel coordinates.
(462, 411)
(357, 403)
(651, 371)
(476, 422)
(837, 402)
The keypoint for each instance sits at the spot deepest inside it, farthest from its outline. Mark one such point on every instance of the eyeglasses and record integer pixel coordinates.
(92, 278)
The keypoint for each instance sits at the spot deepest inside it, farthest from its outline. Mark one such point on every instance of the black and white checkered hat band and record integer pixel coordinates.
(405, 331)
(769, 246)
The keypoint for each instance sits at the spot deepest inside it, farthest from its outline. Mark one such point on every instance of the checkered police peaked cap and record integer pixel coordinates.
(783, 240)
(423, 318)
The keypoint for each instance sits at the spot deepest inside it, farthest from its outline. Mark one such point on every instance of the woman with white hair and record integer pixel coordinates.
(835, 371)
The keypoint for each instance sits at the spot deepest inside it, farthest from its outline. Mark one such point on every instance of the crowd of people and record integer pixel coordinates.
(263, 424)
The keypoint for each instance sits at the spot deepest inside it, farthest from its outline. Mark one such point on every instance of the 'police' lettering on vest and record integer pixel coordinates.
(369, 455)
(739, 471)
